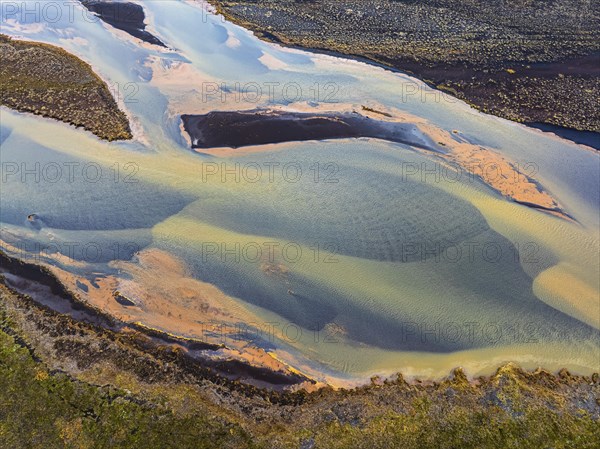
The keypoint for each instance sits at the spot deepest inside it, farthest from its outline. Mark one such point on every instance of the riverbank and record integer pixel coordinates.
(73, 381)
(209, 360)
(493, 56)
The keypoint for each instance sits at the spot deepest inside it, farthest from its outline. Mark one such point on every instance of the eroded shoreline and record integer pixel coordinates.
(23, 280)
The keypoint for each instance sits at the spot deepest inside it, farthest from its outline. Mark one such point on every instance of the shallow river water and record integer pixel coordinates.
(343, 258)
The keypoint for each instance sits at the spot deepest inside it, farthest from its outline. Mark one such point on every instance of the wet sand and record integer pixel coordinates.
(248, 364)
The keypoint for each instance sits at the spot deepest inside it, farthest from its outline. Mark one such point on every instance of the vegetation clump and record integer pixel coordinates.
(48, 81)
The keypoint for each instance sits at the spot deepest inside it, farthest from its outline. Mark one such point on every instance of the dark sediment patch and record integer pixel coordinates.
(260, 127)
(123, 300)
(127, 16)
(187, 343)
(82, 286)
(55, 295)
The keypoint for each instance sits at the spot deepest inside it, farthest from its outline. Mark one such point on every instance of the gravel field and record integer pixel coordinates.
(525, 60)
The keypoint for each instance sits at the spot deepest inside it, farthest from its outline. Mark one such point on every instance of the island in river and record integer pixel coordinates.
(48, 81)
(125, 16)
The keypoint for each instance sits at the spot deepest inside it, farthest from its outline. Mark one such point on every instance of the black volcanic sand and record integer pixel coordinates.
(260, 127)
(128, 17)
(532, 61)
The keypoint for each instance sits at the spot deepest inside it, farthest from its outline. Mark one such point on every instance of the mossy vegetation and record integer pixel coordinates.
(121, 393)
(48, 81)
(39, 409)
